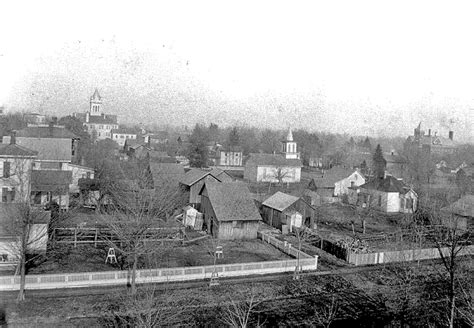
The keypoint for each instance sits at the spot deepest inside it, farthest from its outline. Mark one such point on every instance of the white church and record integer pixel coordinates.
(277, 168)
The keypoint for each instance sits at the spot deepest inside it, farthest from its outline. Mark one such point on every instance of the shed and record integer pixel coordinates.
(229, 210)
(282, 209)
(460, 214)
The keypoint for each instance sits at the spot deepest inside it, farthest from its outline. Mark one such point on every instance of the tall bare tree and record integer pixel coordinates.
(138, 218)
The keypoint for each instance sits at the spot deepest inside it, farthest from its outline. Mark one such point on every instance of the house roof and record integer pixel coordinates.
(280, 201)
(231, 201)
(46, 132)
(257, 159)
(387, 184)
(194, 175)
(9, 150)
(170, 173)
(216, 173)
(463, 206)
(328, 178)
(52, 149)
(50, 180)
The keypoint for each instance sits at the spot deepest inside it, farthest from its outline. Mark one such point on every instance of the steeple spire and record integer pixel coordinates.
(289, 137)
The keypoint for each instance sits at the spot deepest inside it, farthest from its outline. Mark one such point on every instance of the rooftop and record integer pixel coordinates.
(14, 150)
(194, 175)
(387, 184)
(258, 159)
(232, 201)
(56, 131)
(280, 201)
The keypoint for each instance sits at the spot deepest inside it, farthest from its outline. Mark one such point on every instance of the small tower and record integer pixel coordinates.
(95, 104)
(289, 147)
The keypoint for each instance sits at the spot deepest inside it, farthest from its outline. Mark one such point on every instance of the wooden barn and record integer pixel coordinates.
(282, 209)
(193, 181)
(229, 211)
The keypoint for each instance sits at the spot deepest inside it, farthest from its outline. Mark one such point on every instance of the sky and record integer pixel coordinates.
(373, 68)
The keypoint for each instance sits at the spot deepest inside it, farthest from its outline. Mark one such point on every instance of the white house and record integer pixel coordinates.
(387, 194)
(120, 135)
(355, 179)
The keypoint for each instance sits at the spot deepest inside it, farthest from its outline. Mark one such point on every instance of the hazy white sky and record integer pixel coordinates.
(363, 67)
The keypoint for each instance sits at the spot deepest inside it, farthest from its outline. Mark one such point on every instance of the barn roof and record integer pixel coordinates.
(280, 201)
(328, 178)
(194, 175)
(46, 132)
(232, 201)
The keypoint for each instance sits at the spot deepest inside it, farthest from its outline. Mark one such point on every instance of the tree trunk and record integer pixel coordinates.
(452, 304)
(21, 293)
(134, 273)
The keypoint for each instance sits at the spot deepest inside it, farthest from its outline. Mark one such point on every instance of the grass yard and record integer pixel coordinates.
(86, 258)
(235, 251)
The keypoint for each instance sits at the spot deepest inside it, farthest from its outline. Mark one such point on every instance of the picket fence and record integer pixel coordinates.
(108, 278)
(404, 256)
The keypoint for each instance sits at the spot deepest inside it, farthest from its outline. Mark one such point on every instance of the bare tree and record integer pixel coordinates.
(280, 174)
(325, 315)
(238, 311)
(139, 219)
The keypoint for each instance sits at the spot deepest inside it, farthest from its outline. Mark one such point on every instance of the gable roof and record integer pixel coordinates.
(14, 150)
(194, 175)
(218, 173)
(280, 201)
(257, 159)
(231, 201)
(463, 206)
(53, 149)
(46, 132)
(328, 178)
(387, 184)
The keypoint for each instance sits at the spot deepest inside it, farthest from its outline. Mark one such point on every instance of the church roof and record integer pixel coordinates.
(289, 137)
(96, 95)
(103, 119)
(257, 159)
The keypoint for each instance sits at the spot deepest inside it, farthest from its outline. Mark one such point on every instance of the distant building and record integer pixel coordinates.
(336, 181)
(16, 164)
(229, 211)
(35, 118)
(50, 186)
(460, 214)
(397, 165)
(98, 124)
(120, 135)
(229, 157)
(55, 145)
(193, 181)
(387, 194)
(431, 143)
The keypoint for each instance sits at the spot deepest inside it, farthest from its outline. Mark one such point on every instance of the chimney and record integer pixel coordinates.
(429, 132)
(451, 135)
(51, 129)
(13, 138)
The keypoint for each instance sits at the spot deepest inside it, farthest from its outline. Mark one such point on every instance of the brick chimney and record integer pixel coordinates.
(451, 135)
(13, 138)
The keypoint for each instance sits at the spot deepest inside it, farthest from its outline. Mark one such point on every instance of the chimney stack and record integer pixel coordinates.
(429, 132)
(451, 135)
(13, 138)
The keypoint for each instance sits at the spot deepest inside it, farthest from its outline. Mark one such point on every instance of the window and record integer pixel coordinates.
(8, 196)
(36, 197)
(88, 175)
(409, 204)
(380, 200)
(6, 169)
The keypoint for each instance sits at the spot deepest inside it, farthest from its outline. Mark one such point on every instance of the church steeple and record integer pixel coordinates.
(95, 104)
(289, 148)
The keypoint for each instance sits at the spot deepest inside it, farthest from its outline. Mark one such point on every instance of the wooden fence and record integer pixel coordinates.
(107, 278)
(403, 256)
(284, 246)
